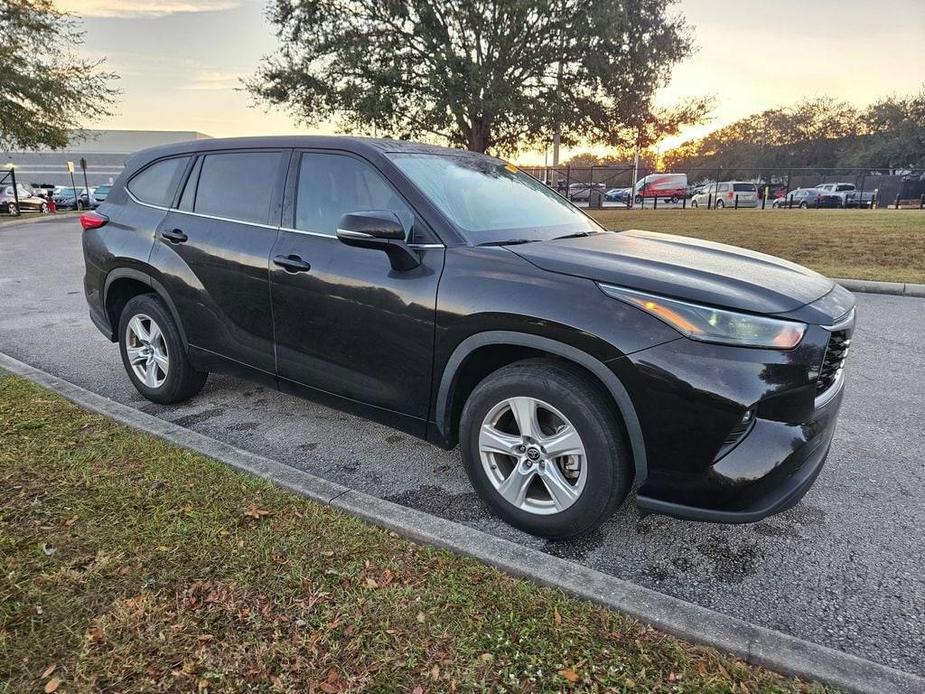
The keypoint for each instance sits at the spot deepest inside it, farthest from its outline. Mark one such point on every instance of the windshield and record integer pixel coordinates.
(491, 201)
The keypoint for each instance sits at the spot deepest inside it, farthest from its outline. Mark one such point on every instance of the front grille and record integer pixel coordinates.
(834, 360)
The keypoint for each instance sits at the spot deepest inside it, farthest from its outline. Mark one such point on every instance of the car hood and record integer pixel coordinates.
(683, 268)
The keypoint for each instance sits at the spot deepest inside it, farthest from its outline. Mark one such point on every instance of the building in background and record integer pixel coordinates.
(104, 150)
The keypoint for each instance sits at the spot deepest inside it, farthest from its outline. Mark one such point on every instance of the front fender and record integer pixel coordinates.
(442, 414)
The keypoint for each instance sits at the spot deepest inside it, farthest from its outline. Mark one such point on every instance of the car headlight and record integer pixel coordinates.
(709, 324)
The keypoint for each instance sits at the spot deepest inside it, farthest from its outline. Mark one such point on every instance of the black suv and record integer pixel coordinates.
(449, 295)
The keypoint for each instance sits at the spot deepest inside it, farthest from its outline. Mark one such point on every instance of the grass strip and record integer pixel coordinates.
(131, 564)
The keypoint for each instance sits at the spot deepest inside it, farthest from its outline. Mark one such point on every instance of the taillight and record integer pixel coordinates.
(92, 220)
(729, 195)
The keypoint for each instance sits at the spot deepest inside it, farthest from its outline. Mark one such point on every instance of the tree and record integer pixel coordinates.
(47, 90)
(819, 133)
(482, 74)
(894, 136)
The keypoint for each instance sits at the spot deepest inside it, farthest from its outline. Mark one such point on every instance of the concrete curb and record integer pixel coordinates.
(752, 643)
(875, 287)
(33, 218)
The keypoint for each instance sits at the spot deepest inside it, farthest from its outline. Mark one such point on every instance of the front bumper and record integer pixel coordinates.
(768, 472)
(735, 434)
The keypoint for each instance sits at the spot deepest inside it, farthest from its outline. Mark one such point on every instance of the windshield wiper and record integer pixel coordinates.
(508, 242)
(577, 234)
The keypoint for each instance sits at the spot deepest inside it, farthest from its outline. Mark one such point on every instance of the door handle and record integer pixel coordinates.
(291, 263)
(174, 236)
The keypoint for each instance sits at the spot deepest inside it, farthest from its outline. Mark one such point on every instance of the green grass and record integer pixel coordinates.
(887, 245)
(130, 565)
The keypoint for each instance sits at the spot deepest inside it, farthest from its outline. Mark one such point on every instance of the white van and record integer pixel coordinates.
(724, 195)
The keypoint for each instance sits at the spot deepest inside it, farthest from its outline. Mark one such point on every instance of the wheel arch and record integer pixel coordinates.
(450, 397)
(124, 283)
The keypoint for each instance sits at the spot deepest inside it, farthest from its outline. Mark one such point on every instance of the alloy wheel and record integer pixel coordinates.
(533, 456)
(147, 351)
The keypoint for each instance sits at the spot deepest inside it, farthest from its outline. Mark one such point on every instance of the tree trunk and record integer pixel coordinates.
(479, 134)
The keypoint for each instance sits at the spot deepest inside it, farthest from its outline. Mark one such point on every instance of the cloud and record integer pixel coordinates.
(142, 8)
(213, 80)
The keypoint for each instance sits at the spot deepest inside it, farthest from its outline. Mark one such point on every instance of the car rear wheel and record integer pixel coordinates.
(153, 352)
(543, 449)
(720, 204)
(12, 210)
(693, 203)
(44, 208)
(804, 206)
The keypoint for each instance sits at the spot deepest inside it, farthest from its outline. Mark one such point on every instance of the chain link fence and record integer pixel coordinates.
(626, 186)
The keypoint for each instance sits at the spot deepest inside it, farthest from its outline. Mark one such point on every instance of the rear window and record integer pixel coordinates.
(237, 186)
(157, 183)
(745, 188)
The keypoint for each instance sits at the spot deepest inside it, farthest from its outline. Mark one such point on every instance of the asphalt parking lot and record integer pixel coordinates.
(845, 568)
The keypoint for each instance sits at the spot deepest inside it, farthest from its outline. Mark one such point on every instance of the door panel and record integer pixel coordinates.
(213, 253)
(351, 325)
(218, 280)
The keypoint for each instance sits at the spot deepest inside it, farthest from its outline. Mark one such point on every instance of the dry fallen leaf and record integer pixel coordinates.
(418, 689)
(52, 685)
(570, 675)
(257, 513)
(421, 617)
(371, 583)
(557, 617)
(50, 669)
(327, 553)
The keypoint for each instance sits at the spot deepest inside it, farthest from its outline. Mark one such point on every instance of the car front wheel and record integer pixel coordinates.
(153, 352)
(542, 448)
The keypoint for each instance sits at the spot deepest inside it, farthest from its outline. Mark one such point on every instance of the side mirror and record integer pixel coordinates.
(379, 229)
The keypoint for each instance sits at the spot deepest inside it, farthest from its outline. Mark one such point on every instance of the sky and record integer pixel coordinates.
(180, 61)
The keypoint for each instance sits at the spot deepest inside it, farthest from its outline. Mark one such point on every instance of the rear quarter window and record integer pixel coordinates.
(745, 188)
(157, 183)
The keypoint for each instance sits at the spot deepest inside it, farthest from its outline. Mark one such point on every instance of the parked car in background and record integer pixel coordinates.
(667, 187)
(848, 193)
(805, 198)
(100, 192)
(65, 199)
(725, 194)
(697, 190)
(581, 192)
(27, 202)
(618, 195)
(452, 296)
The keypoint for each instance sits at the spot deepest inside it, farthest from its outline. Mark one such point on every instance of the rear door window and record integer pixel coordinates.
(745, 188)
(237, 185)
(157, 184)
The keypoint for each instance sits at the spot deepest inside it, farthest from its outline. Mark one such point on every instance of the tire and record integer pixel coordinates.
(638, 199)
(720, 204)
(179, 381)
(804, 206)
(694, 204)
(562, 395)
(11, 208)
(79, 206)
(44, 209)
